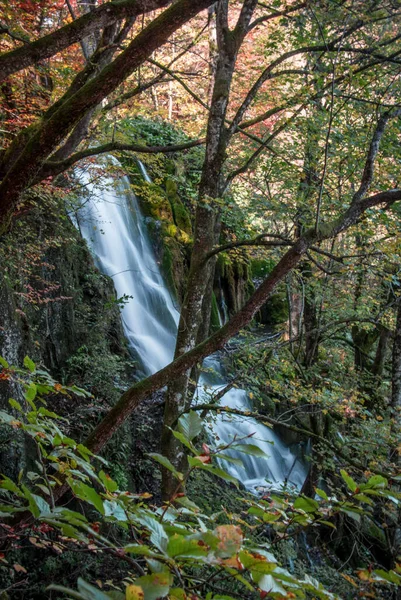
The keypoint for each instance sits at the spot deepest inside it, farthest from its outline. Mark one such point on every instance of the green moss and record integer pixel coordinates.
(215, 316)
(259, 268)
(211, 494)
(181, 215)
(168, 268)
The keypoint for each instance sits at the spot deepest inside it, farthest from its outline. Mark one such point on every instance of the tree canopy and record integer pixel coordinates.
(291, 112)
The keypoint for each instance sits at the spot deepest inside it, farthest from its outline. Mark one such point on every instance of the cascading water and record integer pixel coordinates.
(111, 222)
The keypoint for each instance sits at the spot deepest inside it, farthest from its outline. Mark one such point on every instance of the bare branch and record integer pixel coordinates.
(47, 46)
(256, 241)
(368, 171)
(275, 14)
(339, 450)
(53, 168)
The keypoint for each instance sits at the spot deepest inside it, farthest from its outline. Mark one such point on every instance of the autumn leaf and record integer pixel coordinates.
(134, 592)
(231, 538)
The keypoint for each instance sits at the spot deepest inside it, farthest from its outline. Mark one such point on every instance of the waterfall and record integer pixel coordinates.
(111, 222)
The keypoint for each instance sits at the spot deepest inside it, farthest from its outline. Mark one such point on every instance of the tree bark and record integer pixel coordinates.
(207, 230)
(396, 367)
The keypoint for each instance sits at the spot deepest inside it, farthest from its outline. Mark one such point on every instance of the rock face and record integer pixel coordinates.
(56, 308)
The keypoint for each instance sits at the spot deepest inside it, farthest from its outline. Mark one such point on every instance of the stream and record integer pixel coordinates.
(111, 222)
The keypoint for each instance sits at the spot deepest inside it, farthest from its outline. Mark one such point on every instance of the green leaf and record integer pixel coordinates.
(86, 493)
(363, 498)
(4, 363)
(180, 546)
(190, 425)
(321, 493)
(110, 485)
(167, 464)
(184, 501)
(64, 590)
(29, 364)
(139, 549)
(389, 576)
(181, 437)
(256, 564)
(30, 394)
(251, 449)
(328, 524)
(37, 505)
(79, 391)
(113, 509)
(47, 413)
(155, 585)
(267, 583)
(352, 485)
(195, 462)
(230, 459)
(158, 536)
(377, 481)
(91, 592)
(15, 404)
(352, 513)
(6, 418)
(8, 484)
(306, 504)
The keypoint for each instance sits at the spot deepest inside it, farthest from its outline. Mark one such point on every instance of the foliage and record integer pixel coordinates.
(170, 546)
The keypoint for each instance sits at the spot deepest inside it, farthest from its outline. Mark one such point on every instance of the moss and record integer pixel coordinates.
(168, 268)
(215, 315)
(63, 313)
(259, 268)
(181, 215)
(211, 494)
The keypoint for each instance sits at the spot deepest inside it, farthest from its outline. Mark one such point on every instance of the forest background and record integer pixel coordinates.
(271, 132)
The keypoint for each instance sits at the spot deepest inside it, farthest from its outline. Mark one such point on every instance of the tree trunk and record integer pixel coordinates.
(396, 368)
(207, 229)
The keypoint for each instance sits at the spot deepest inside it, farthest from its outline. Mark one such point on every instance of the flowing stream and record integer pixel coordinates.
(111, 222)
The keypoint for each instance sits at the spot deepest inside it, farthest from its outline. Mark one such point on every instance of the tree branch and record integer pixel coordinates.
(47, 46)
(300, 430)
(275, 14)
(53, 129)
(137, 393)
(53, 168)
(368, 171)
(256, 241)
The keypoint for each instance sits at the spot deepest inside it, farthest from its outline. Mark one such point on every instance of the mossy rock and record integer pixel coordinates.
(181, 215)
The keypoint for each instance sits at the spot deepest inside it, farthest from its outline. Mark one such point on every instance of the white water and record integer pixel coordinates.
(113, 226)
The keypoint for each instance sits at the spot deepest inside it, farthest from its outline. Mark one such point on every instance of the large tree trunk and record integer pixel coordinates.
(207, 228)
(206, 236)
